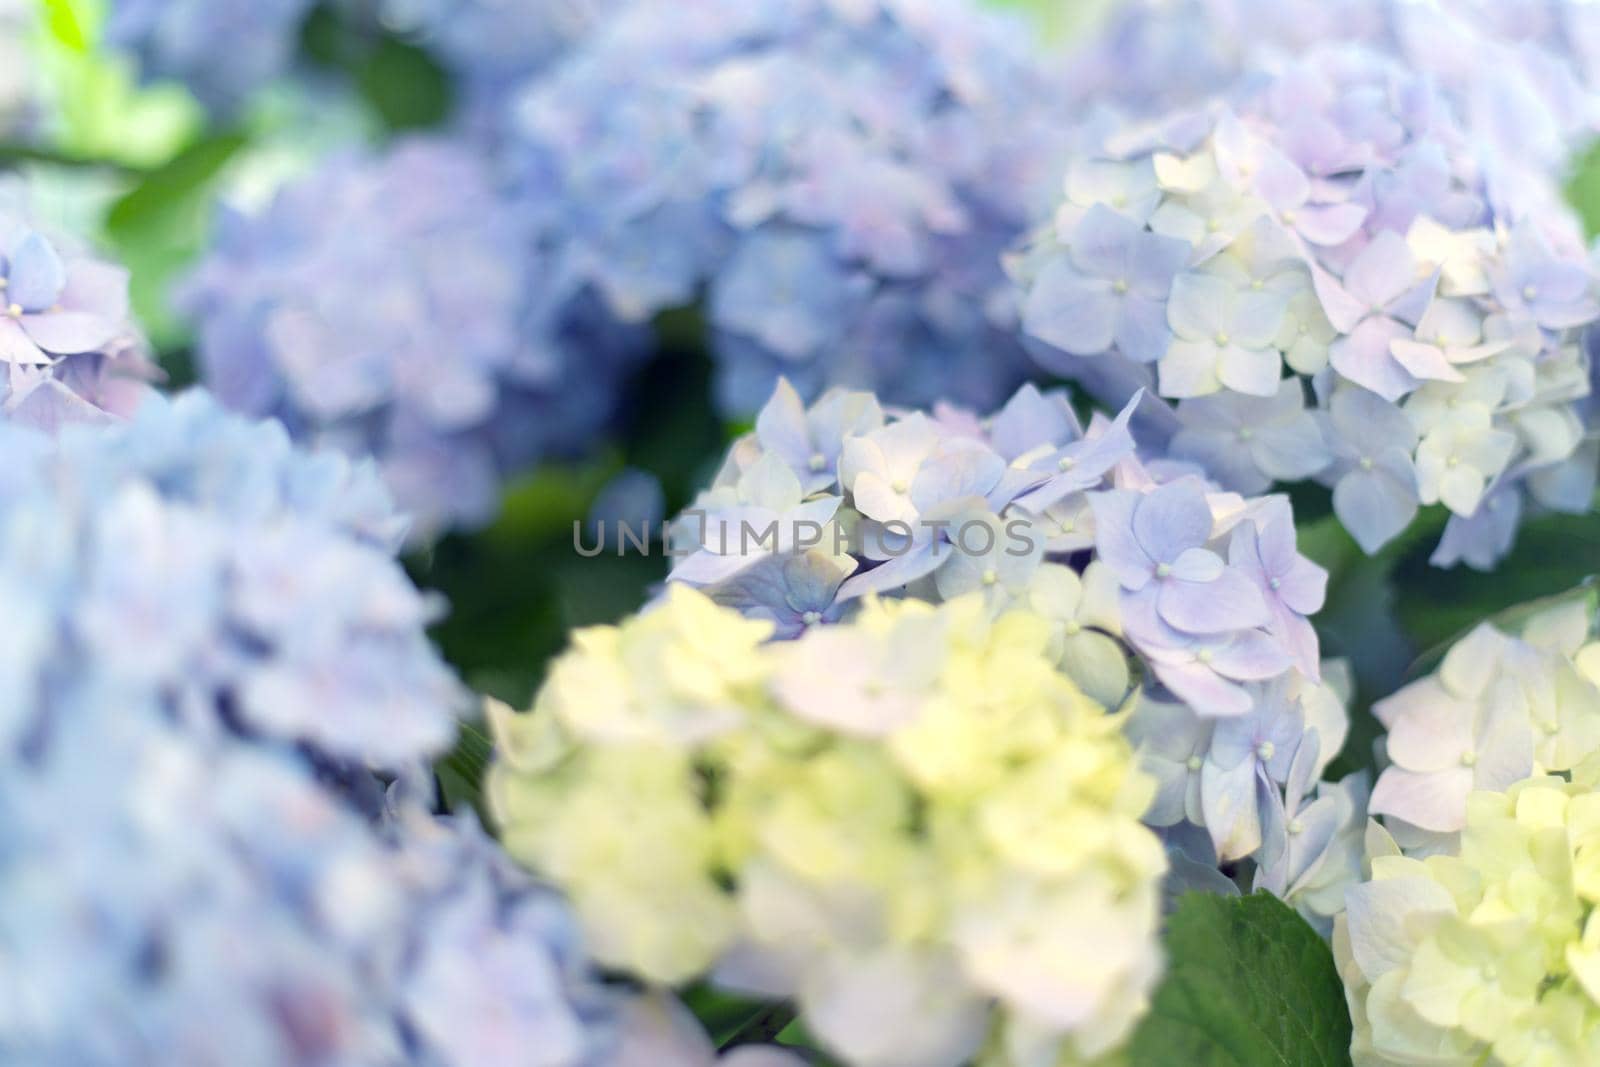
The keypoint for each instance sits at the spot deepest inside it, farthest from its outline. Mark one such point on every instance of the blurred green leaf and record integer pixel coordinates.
(1061, 20)
(1360, 621)
(399, 81)
(97, 108)
(405, 86)
(1583, 190)
(162, 223)
(461, 773)
(65, 23)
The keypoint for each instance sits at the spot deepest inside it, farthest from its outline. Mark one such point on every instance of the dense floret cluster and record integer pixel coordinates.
(1318, 282)
(1501, 707)
(838, 180)
(396, 307)
(1150, 577)
(209, 652)
(1488, 954)
(1521, 75)
(965, 702)
(195, 567)
(170, 898)
(913, 824)
(221, 50)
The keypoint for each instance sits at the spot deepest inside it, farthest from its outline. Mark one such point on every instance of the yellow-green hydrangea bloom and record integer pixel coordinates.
(913, 824)
(1489, 957)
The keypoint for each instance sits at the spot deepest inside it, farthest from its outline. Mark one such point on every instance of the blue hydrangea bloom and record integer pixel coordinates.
(837, 180)
(1164, 592)
(170, 900)
(69, 349)
(210, 650)
(222, 50)
(398, 307)
(1324, 275)
(193, 563)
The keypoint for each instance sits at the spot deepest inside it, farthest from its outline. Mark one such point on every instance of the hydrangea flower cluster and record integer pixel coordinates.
(837, 179)
(1320, 283)
(1500, 708)
(1489, 955)
(69, 351)
(170, 900)
(1522, 76)
(209, 649)
(395, 307)
(912, 824)
(1030, 510)
(221, 50)
(194, 564)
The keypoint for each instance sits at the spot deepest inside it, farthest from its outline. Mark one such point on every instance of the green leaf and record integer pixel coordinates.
(66, 24)
(161, 224)
(1553, 553)
(461, 773)
(405, 86)
(1584, 189)
(1248, 984)
(1360, 622)
(99, 109)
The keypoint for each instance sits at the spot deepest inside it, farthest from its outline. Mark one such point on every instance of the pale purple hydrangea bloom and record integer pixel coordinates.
(222, 50)
(1366, 301)
(1318, 852)
(1242, 779)
(397, 307)
(69, 350)
(820, 506)
(836, 180)
(1202, 591)
(1500, 707)
(1523, 76)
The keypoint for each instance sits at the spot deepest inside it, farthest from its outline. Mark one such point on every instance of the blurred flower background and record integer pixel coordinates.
(333, 331)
